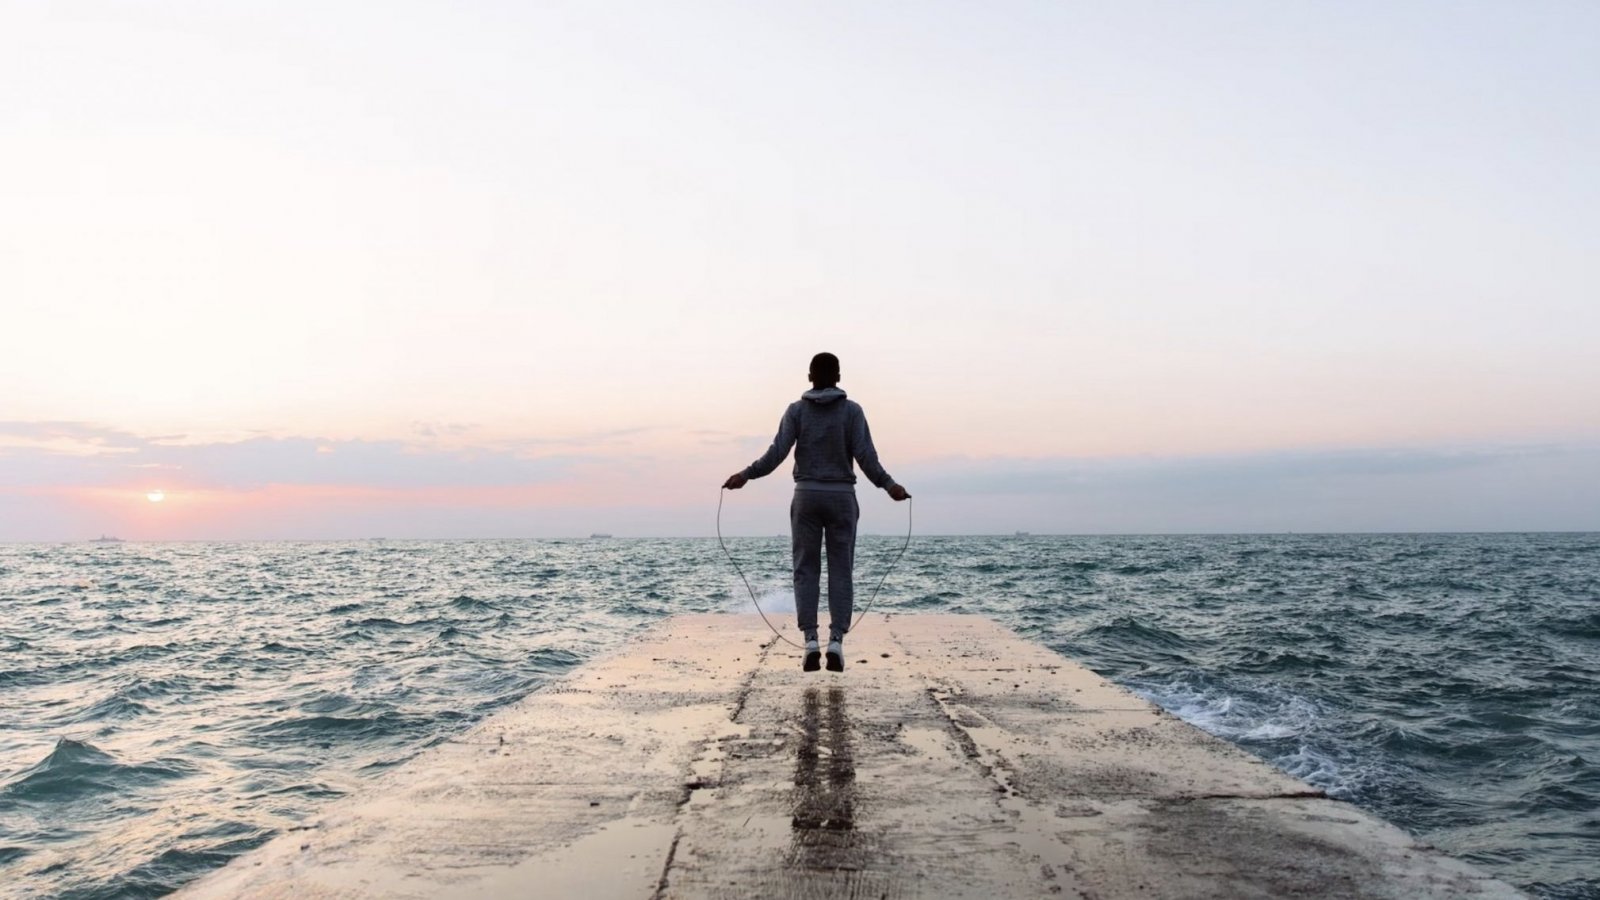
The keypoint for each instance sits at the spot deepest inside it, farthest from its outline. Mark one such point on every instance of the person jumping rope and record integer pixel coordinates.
(827, 431)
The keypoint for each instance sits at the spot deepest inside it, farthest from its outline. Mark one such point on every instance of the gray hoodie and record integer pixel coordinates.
(826, 431)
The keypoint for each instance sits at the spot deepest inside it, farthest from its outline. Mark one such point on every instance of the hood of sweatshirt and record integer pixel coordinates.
(824, 395)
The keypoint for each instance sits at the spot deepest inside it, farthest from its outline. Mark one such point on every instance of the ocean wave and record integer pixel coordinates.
(927, 601)
(1576, 889)
(12, 854)
(1129, 631)
(771, 599)
(74, 769)
(379, 622)
(1268, 662)
(1259, 714)
(160, 622)
(1318, 770)
(19, 677)
(322, 730)
(551, 661)
(154, 876)
(1586, 625)
(113, 707)
(336, 703)
(1287, 729)
(465, 603)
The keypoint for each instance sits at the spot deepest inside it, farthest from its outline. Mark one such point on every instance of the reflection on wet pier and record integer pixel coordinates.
(824, 781)
(828, 856)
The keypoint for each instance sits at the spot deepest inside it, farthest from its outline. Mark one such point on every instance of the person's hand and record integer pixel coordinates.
(898, 492)
(735, 481)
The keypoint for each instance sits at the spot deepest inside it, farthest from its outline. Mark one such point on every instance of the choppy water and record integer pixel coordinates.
(165, 707)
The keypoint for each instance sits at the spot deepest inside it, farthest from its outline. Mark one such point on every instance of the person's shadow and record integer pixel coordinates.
(824, 777)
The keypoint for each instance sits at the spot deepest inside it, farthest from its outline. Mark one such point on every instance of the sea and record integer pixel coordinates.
(166, 707)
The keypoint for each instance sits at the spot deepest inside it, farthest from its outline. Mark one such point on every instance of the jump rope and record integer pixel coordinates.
(752, 593)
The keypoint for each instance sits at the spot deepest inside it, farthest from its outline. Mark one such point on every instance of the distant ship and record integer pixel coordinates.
(599, 534)
(106, 539)
(1023, 534)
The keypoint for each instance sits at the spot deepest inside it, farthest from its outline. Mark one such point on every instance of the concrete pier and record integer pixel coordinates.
(951, 759)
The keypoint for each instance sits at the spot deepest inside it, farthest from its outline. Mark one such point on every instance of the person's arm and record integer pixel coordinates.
(867, 457)
(782, 443)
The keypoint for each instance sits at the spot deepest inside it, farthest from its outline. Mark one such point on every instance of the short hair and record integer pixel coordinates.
(825, 367)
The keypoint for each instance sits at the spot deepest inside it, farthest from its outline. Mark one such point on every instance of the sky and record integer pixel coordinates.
(328, 270)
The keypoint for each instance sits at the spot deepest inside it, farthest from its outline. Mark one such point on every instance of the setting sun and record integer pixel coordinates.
(156, 496)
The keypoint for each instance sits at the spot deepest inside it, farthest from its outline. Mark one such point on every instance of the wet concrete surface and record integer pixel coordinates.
(951, 759)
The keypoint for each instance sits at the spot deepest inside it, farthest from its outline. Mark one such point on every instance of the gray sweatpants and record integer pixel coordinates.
(815, 516)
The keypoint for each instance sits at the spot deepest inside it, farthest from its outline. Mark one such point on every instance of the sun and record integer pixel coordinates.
(156, 496)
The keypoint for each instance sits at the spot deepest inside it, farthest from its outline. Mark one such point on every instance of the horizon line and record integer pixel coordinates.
(712, 537)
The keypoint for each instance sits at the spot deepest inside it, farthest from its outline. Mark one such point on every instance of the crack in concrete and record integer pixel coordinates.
(750, 680)
(708, 752)
(672, 853)
(993, 765)
(1312, 794)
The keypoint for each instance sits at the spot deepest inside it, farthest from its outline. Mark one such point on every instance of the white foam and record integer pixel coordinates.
(1261, 713)
(1318, 770)
(1274, 715)
(773, 597)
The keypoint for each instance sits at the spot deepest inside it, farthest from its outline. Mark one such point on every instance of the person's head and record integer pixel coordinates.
(824, 370)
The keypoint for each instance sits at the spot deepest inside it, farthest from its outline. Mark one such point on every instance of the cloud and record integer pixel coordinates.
(86, 479)
(41, 454)
(1244, 471)
(1483, 488)
(86, 437)
(440, 429)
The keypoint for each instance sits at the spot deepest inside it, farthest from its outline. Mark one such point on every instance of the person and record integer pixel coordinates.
(827, 431)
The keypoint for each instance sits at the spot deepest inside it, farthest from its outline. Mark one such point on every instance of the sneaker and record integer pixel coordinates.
(813, 656)
(835, 656)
